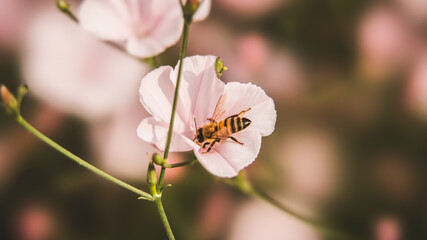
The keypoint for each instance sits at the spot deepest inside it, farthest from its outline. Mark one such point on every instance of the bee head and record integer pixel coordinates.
(199, 135)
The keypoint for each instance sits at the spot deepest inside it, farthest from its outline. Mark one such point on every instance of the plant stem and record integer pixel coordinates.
(163, 217)
(80, 161)
(175, 165)
(175, 99)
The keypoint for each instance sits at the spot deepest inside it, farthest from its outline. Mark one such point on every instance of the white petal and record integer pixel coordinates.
(240, 96)
(202, 11)
(155, 132)
(199, 93)
(156, 26)
(156, 93)
(200, 89)
(227, 158)
(103, 19)
(169, 22)
(144, 47)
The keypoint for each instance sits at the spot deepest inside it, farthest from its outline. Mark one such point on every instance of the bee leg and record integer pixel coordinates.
(243, 112)
(212, 144)
(237, 141)
(205, 144)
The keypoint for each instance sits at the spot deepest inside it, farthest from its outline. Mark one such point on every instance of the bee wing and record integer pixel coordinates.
(219, 108)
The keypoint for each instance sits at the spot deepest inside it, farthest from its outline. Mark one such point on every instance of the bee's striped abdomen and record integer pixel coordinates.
(236, 124)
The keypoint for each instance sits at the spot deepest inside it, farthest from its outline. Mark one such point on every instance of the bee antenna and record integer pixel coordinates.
(195, 124)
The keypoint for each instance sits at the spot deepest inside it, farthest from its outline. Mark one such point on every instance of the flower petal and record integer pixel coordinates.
(202, 11)
(155, 132)
(169, 22)
(240, 96)
(227, 158)
(158, 26)
(199, 91)
(156, 93)
(144, 47)
(102, 18)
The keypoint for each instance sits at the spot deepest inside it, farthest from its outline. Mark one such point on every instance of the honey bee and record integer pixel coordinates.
(217, 131)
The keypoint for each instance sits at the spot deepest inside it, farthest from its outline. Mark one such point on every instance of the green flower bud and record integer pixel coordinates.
(219, 67)
(63, 6)
(151, 174)
(190, 8)
(157, 159)
(22, 91)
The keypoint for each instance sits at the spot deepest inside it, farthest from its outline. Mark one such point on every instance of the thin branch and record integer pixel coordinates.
(80, 161)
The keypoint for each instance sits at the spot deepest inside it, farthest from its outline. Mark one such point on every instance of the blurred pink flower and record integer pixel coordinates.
(253, 50)
(35, 223)
(199, 94)
(415, 9)
(214, 212)
(250, 8)
(72, 71)
(310, 166)
(258, 220)
(385, 42)
(387, 228)
(12, 15)
(416, 94)
(145, 27)
(251, 58)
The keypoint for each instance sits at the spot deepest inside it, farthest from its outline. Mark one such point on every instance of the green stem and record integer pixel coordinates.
(163, 217)
(175, 99)
(78, 160)
(175, 165)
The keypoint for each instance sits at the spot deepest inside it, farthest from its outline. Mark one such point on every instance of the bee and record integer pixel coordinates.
(217, 131)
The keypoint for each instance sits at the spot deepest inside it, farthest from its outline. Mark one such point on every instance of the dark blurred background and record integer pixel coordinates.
(349, 80)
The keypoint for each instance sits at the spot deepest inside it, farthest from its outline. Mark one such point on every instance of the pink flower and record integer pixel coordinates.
(144, 27)
(70, 70)
(200, 91)
(255, 220)
(416, 92)
(385, 42)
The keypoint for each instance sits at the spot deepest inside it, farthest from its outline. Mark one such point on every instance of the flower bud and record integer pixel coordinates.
(190, 8)
(151, 174)
(10, 102)
(63, 6)
(157, 159)
(219, 67)
(22, 91)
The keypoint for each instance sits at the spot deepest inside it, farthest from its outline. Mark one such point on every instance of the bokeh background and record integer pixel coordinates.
(349, 80)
